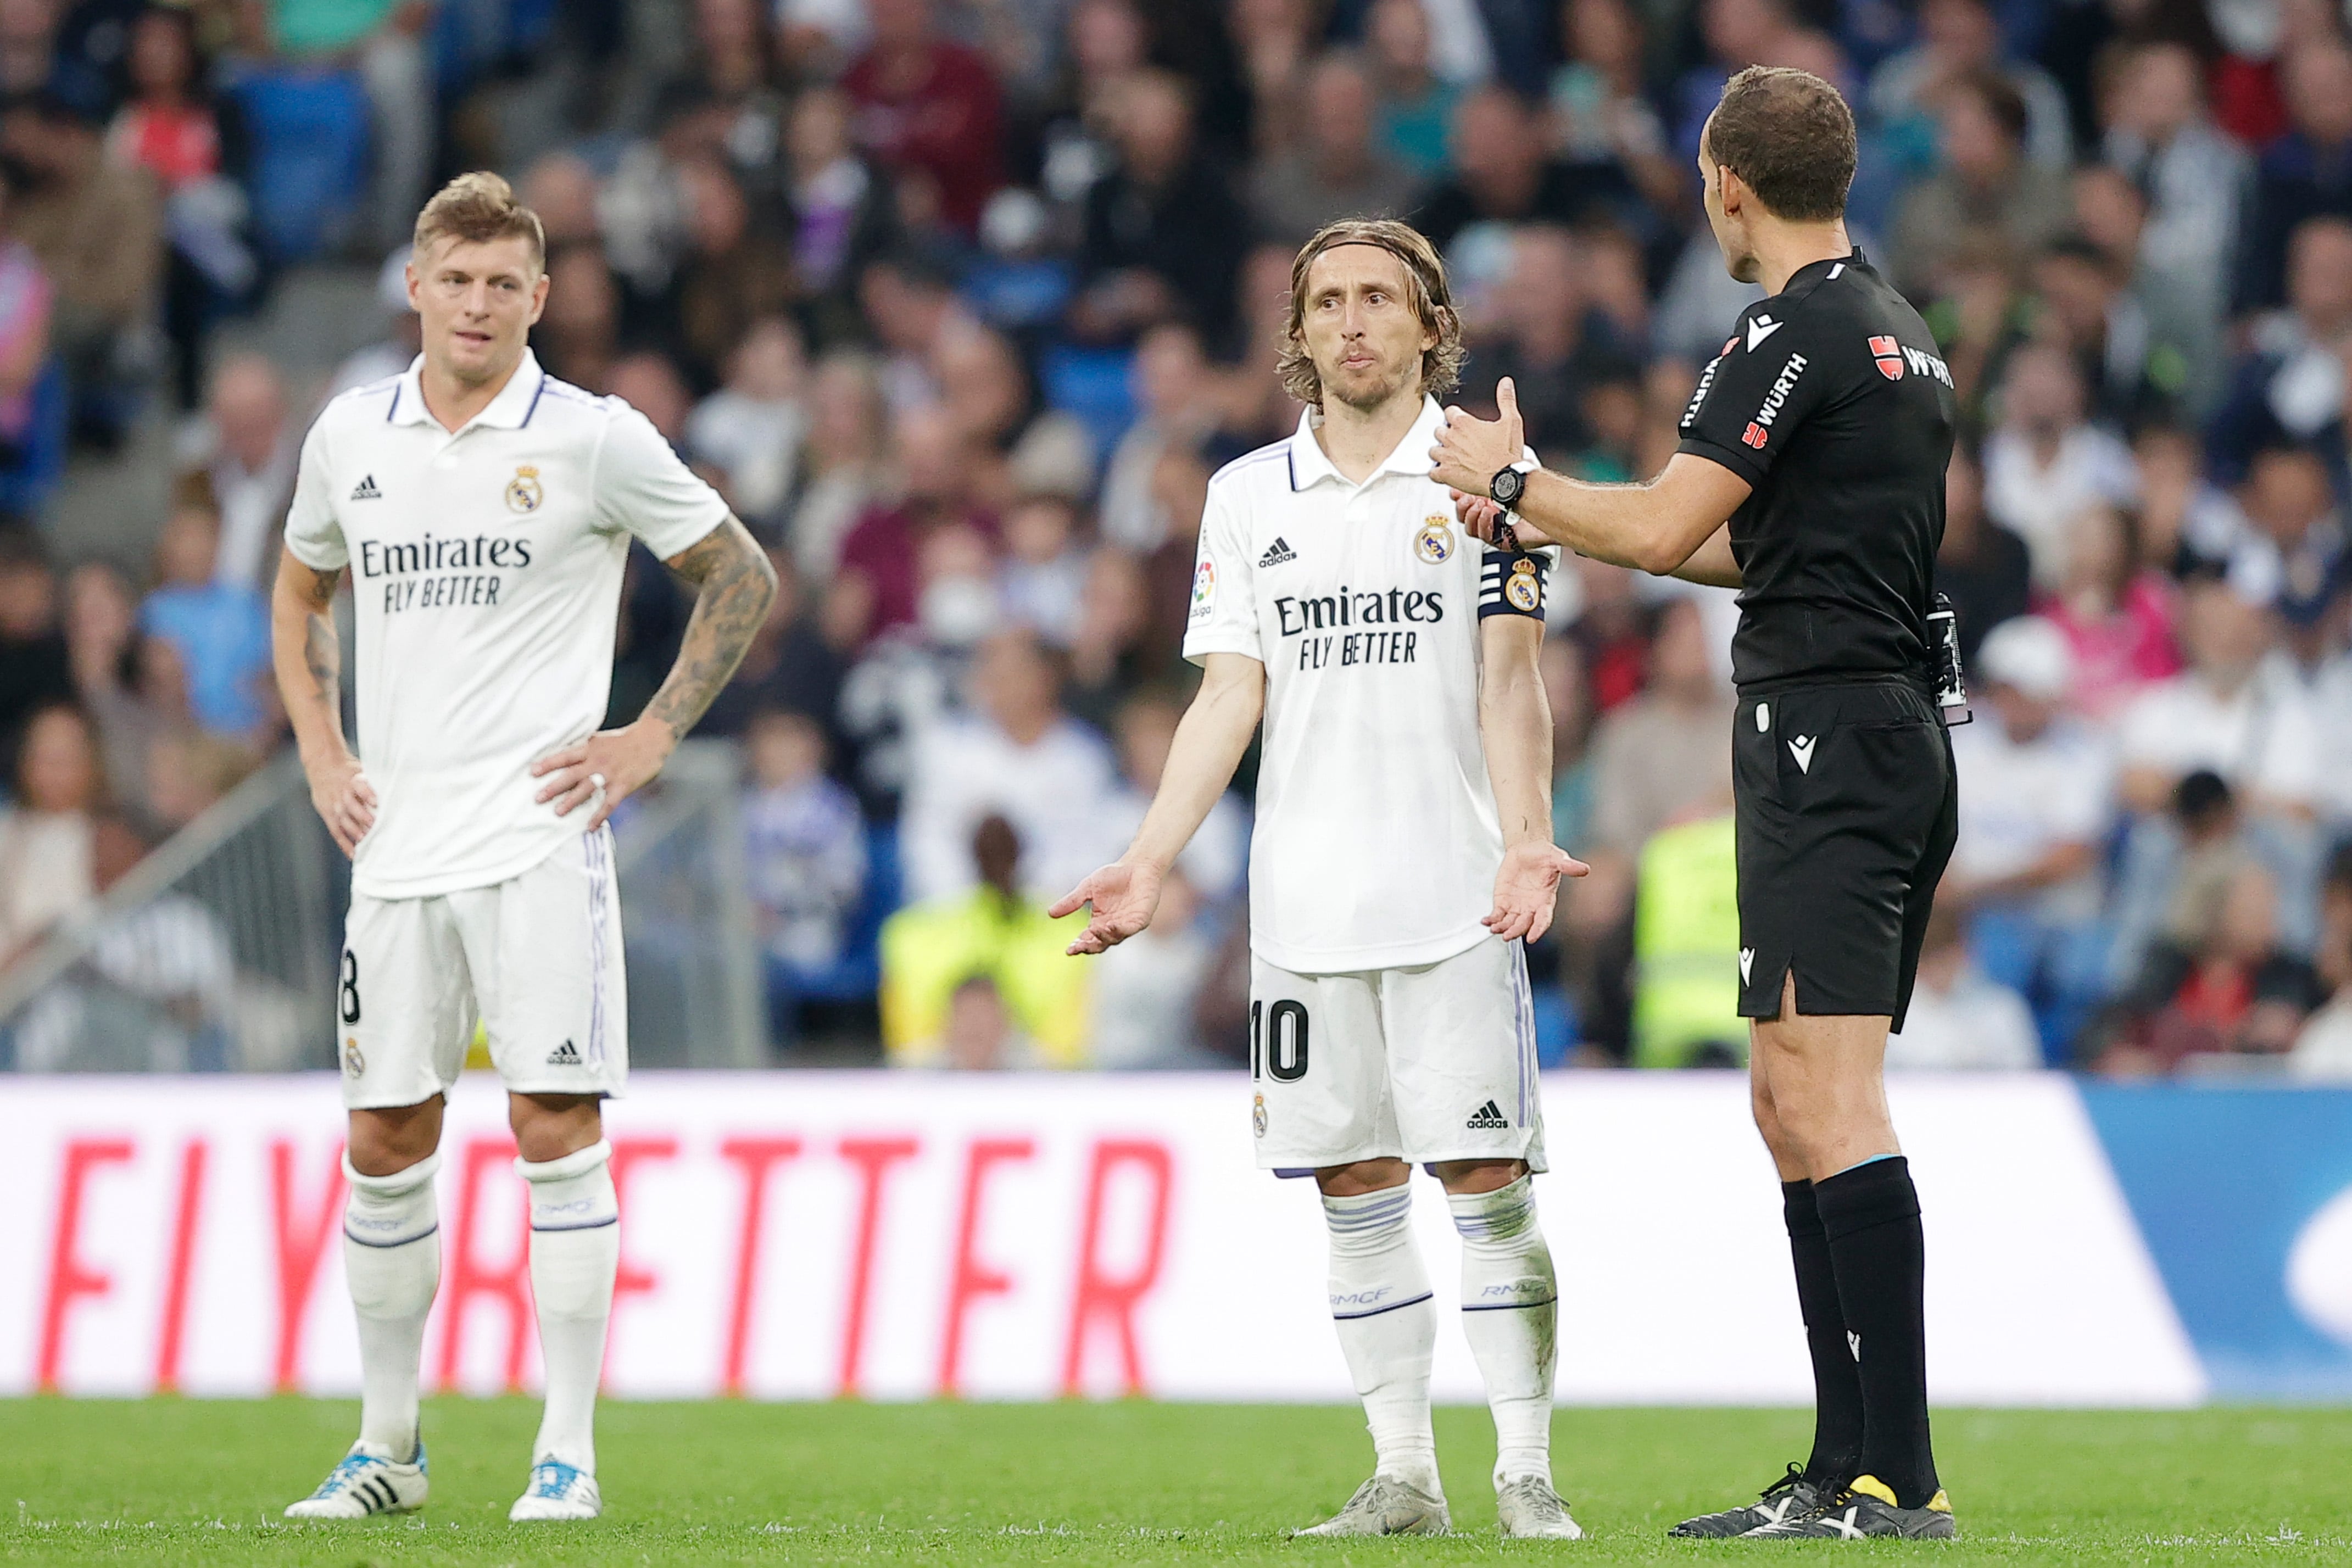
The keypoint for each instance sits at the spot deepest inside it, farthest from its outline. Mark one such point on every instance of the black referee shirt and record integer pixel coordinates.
(1830, 400)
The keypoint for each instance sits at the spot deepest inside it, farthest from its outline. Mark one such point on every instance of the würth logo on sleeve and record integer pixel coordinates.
(1888, 354)
(1760, 429)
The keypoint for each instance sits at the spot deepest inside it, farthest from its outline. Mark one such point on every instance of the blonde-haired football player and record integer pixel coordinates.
(1402, 851)
(483, 511)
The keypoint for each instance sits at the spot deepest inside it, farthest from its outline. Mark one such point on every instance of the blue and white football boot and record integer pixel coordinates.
(557, 1491)
(366, 1484)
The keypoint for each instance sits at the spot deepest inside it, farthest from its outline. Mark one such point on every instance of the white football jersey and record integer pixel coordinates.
(1377, 842)
(486, 576)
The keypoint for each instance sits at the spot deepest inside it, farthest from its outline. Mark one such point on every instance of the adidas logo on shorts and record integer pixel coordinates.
(1487, 1118)
(564, 1055)
(1278, 553)
(366, 491)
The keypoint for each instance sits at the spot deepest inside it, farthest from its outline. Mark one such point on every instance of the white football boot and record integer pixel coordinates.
(1386, 1505)
(1530, 1509)
(364, 1484)
(557, 1491)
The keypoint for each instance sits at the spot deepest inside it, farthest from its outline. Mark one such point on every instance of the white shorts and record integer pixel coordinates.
(1424, 1064)
(537, 958)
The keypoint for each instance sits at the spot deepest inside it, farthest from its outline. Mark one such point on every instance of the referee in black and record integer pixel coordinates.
(1810, 477)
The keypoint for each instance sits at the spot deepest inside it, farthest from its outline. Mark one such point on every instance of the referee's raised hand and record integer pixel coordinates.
(1470, 452)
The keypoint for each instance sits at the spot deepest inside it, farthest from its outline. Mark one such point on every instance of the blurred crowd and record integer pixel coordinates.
(961, 302)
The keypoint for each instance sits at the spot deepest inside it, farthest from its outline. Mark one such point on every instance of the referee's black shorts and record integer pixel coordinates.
(1847, 806)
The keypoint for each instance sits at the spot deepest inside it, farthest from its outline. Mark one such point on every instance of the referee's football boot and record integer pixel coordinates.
(1865, 1510)
(1386, 1505)
(1793, 1494)
(366, 1484)
(1529, 1510)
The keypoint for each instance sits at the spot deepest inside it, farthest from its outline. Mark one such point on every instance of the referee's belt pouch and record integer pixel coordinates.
(1850, 747)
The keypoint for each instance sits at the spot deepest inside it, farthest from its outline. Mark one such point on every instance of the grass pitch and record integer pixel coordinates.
(172, 1482)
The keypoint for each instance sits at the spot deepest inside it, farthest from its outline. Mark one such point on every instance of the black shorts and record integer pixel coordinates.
(1847, 806)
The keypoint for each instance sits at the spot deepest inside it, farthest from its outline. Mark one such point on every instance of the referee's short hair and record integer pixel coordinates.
(477, 208)
(1426, 291)
(1790, 136)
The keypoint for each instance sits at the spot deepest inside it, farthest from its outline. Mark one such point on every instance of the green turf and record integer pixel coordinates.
(172, 1482)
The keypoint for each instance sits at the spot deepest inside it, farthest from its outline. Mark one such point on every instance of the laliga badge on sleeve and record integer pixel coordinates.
(1204, 589)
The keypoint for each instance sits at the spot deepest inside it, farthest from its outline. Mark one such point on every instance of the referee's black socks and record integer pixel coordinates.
(1837, 1386)
(1871, 1218)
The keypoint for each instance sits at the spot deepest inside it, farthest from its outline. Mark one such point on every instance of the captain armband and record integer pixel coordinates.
(1512, 583)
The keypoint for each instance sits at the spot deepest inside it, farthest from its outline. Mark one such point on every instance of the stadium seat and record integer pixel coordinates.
(1092, 384)
(310, 171)
(26, 484)
(1555, 1024)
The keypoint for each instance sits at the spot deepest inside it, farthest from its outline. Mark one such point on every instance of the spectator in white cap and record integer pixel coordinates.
(2037, 802)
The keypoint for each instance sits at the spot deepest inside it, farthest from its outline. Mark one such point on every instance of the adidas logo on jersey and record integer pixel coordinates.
(1487, 1118)
(1279, 553)
(365, 490)
(564, 1055)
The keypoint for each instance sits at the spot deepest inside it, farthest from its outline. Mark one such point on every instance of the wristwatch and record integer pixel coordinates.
(1509, 484)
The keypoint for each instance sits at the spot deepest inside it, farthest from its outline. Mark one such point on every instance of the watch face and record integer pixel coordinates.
(1506, 486)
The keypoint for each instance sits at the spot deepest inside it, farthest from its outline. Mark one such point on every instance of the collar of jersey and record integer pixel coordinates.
(1813, 272)
(510, 410)
(1310, 465)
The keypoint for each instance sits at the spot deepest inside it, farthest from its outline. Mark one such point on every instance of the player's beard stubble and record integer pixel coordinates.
(1373, 386)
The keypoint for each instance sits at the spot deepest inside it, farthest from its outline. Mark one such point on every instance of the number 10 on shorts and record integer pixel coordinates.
(1278, 1040)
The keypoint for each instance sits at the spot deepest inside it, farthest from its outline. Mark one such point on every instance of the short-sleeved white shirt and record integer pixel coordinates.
(486, 575)
(2022, 800)
(1376, 841)
(2262, 739)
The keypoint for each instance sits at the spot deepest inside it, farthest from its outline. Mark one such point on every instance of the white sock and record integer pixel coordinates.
(576, 1248)
(392, 1259)
(1510, 1314)
(1388, 1328)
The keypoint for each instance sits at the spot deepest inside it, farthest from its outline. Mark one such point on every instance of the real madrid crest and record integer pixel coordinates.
(1436, 540)
(524, 492)
(1523, 590)
(1257, 1116)
(354, 1063)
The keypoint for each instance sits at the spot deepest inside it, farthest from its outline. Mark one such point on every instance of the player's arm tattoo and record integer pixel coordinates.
(307, 655)
(322, 651)
(736, 585)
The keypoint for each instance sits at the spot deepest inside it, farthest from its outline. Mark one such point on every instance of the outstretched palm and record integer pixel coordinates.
(1123, 897)
(1526, 888)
